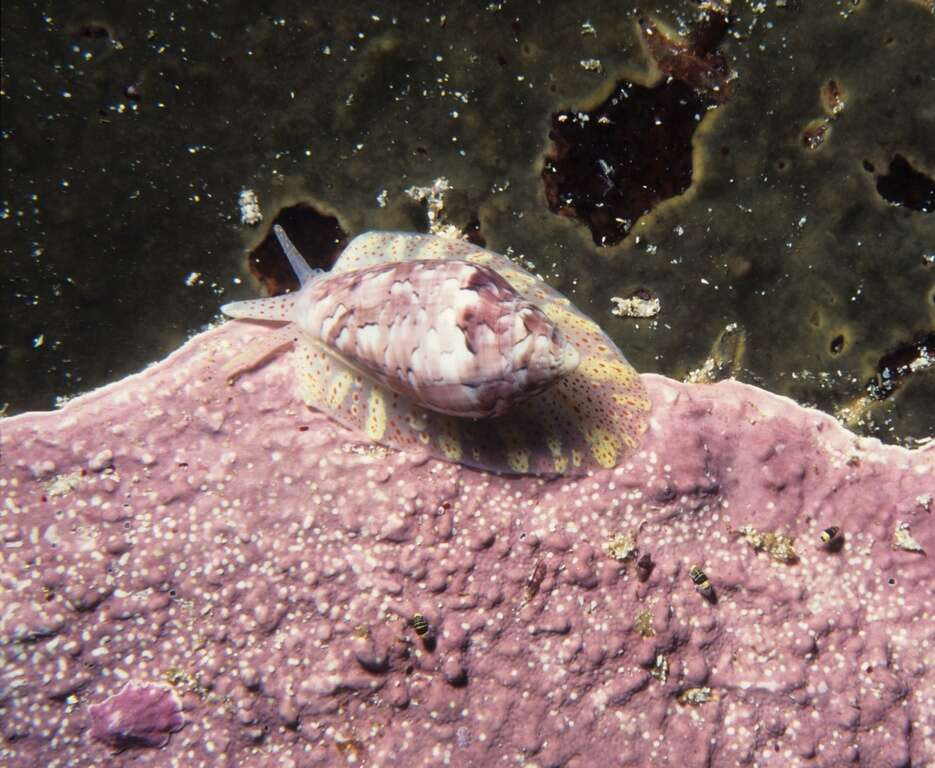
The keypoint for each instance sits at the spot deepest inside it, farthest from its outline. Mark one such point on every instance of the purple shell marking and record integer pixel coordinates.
(420, 341)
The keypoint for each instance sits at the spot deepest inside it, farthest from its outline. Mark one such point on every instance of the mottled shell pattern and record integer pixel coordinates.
(450, 335)
(427, 342)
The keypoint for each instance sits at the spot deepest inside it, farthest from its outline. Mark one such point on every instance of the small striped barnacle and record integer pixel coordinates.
(701, 582)
(829, 534)
(832, 539)
(424, 630)
(420, 624)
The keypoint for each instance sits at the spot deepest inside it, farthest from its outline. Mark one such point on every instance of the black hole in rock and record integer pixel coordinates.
(94, 31)
(632, 152)
(318, 237)
(473, 233)
(906, 186)
(894, 367)
(837, 344)
(615, 163)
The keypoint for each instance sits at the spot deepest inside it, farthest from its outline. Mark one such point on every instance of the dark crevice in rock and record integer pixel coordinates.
(906, 186)
(896, 366)
(472, 231)
(317, 235)
(609, 166)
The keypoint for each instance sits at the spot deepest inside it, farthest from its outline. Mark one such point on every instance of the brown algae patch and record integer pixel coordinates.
(643, 624)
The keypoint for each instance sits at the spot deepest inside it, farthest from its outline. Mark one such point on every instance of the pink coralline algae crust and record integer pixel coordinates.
(141, 715)
(269, 566)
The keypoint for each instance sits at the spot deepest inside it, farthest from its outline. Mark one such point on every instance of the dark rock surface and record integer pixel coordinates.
(130, 132)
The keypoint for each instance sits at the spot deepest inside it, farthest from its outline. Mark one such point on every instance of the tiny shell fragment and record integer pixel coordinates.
(621, 547)
(635, 306)
(695, 695)
(902, 539)
(777, 545)
(434, 199)
(141, 715)
(250, 213)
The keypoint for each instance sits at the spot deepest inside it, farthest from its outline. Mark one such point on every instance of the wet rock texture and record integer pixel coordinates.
(806, 224)
(314, 600)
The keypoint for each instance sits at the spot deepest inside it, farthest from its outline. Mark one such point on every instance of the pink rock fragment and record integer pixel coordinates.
(141, 715)
(271, 563)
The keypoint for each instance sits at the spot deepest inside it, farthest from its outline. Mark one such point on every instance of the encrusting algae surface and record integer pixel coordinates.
(313, 598)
